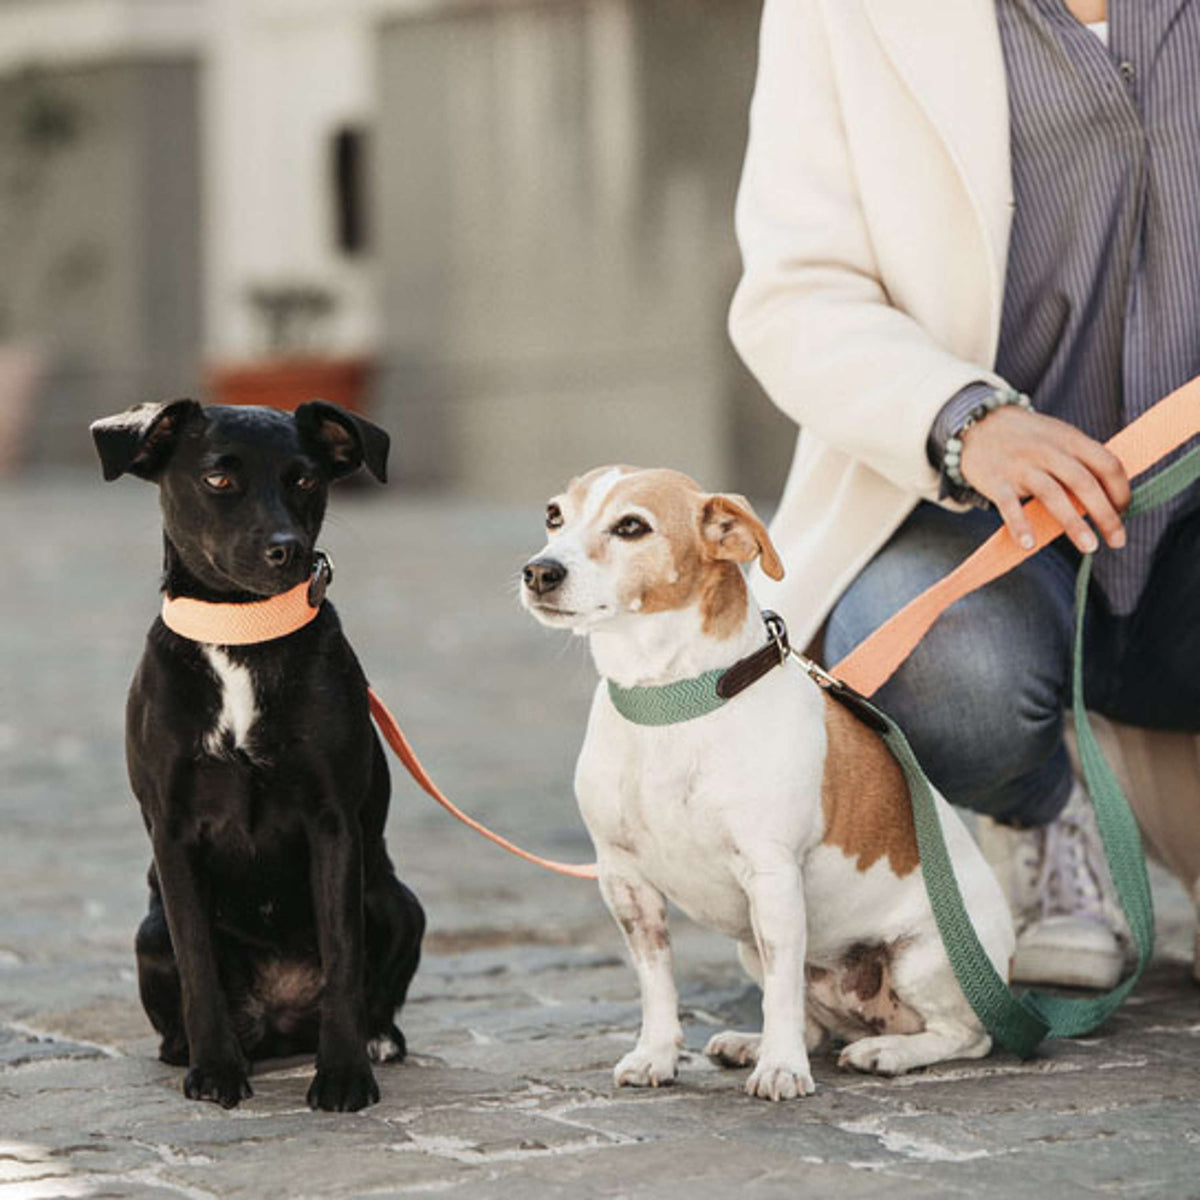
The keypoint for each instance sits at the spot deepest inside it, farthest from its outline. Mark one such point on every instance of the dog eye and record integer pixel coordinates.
(554, 517)
(630, 528)
(218, 481)
(306, 483)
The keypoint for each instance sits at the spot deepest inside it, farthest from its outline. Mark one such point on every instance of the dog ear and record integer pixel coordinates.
(342, 440)
(140, 439)
(730, 530)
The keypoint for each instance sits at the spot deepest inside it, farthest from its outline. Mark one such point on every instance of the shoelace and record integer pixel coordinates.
(1069, 882)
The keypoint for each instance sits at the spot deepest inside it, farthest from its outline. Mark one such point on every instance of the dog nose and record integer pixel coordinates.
(281, 550)
(543, 575)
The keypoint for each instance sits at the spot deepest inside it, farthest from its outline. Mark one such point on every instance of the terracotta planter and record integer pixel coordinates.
(287, 382)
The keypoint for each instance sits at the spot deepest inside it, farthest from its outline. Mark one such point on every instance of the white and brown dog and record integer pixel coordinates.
(776, 818)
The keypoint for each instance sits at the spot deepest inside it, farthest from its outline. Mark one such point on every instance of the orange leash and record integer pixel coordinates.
(398, 742)
(1173, 421)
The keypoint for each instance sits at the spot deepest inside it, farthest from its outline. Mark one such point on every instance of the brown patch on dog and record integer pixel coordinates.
(640, 925)
(864, 796)
(685, 565)
(664, 571)
(656, 937)
(863, 967)
(855, 998)
(723, 599)
(732, 531)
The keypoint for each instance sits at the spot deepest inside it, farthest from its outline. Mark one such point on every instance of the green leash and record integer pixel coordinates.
(1019, 1023)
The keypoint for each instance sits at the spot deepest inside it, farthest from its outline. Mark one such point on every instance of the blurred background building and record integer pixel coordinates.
(508, 223)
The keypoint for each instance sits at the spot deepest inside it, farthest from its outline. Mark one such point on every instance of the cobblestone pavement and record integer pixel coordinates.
(523, 1001)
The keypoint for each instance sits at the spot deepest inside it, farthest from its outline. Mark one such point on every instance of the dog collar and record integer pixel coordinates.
(687, 699)
(257, 621)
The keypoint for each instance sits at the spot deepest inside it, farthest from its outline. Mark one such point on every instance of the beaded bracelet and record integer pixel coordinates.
(952, 456)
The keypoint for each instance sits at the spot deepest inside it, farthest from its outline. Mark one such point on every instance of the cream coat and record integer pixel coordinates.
(873, 218)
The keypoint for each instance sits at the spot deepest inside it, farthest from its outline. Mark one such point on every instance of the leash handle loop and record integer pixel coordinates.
(1163, 428)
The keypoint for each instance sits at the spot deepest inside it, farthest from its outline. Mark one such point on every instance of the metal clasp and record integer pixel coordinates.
(818, 674)
(777, 632)
(320, 579)
(845, 695)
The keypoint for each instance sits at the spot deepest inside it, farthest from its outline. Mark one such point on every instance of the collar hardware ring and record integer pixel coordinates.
(320, 579)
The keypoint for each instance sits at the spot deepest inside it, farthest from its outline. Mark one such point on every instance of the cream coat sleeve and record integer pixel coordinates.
(812, 318)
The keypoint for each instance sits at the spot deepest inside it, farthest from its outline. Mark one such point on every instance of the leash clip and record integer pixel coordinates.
(320, 579)
(839, 690)
(818, 674)
(777, 632)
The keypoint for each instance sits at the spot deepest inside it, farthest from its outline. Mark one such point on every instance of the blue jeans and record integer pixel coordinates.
(982, 698)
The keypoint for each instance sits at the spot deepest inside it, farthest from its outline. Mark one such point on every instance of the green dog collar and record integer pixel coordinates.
(687, 699)
(669, 703)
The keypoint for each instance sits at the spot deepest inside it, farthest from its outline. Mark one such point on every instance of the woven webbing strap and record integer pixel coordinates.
(255, 622)
(1021, 1023)
(1143, 443)
(668, 703)
(239, 624)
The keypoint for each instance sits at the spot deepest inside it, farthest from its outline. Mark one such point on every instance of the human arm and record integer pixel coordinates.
(830, 342)
(812, 317)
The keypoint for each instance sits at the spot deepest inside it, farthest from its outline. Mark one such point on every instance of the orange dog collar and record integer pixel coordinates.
(257, 621)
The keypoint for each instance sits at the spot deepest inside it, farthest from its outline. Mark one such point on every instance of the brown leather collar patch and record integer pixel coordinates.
(754, 666)
(864, 796)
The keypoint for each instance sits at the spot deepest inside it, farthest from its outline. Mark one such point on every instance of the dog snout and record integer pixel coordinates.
(282, 550)
(543, 575)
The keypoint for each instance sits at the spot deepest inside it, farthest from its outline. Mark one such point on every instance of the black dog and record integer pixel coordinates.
(276, 923)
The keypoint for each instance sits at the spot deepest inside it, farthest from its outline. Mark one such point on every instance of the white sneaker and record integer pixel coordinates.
(1071, 931)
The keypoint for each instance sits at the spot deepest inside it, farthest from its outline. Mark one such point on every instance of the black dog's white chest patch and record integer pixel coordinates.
(239, 707)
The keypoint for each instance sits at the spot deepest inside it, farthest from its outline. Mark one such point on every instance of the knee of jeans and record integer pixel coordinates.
(1013, 777)
(859, 612)
(1033, 798)
(977, 721)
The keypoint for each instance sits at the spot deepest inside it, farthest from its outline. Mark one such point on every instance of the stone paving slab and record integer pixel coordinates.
(523, 1001)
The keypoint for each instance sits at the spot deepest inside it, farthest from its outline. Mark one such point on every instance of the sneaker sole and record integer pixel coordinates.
(1058, 968)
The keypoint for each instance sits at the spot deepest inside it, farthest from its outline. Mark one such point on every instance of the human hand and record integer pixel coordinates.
(1012, 454)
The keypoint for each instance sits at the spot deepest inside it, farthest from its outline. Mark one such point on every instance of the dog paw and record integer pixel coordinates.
(343, 1088)
(781, 1079)
(388, 1047)
(875, 1056)
(226, 1083)
(732, 1049)
(643, 1067)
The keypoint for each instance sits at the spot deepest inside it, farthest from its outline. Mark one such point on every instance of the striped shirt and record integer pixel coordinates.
(1101, 313)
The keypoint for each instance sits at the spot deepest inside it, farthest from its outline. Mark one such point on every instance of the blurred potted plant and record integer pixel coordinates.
(292, 315)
